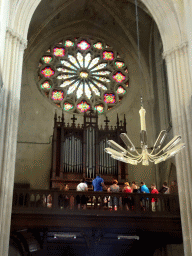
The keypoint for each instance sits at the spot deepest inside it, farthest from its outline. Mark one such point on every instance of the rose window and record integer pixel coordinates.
(82, 74)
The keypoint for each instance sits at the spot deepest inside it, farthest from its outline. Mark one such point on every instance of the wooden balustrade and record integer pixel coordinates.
(54, 200)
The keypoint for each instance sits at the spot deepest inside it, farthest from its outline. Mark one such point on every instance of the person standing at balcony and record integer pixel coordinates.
(81, 200)
(98, 183)
(144, 188)
(127, 201)
(154, 200)
(144, 201)
(134, 187)
(165, 202)
(114, 201)
(63, 200)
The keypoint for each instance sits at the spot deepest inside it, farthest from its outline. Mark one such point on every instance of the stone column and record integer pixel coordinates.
(10, 100)
(180, 98)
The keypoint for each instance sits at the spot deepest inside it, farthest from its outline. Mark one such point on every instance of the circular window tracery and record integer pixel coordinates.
(82, 74)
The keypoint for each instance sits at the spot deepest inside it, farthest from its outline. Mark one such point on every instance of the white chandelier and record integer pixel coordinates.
(157, 154)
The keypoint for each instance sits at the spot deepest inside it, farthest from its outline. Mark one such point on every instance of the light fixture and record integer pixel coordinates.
(157, 155)
(131, 155)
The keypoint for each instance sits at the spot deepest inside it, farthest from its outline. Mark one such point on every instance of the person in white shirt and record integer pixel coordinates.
(81, 200)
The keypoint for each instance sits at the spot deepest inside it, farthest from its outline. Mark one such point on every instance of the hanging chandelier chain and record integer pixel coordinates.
(138, 51)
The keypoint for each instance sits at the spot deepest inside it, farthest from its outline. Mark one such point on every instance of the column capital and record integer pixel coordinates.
(174, 49)
(17, 37)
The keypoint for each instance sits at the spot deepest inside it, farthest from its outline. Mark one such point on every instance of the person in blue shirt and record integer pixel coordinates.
(144, 201)
(98, 183)
(144, 188)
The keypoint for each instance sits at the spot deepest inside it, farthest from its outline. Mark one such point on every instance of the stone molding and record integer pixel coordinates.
(174, 49)
(17, 37)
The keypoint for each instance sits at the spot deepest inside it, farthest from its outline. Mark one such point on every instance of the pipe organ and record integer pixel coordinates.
(78, 150)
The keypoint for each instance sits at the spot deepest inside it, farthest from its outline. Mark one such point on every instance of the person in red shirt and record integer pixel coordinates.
(154, 200)
(127, 199)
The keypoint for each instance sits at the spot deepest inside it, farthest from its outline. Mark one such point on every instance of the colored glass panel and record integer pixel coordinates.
(57, 95)
(72, 87)
(103, 79)
(68, 64)
(65, 76)
(46, 85)
(69, 43)
(79, 92)
(83, 45)
(121, 90)
(100, 66)
(66, 83)
(87, 91)
(94, 89)
(83, 106)
(47, 59)
(64, 70)
(98, 46)
(47, 72)
(80, 59)
(100, 85)
(108, 55)
(119, 64)
(67, 106)
(102, 73)
(87, 59)
(109, 98)
(100, 108)
(119, 77)
(74, 61)
(59, 52)
(94, 62)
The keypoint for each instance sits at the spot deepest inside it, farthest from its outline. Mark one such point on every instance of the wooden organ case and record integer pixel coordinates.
(78, 151)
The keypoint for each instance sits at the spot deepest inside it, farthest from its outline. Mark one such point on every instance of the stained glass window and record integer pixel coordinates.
(108, 55)
(69, 43)
(83, 106)
(68, 106)
(119, 77)
(119, 64)
(121, 90)
(83, 45)
(46, 85)
(83, 70)
(47, 59)
(57, 95)
(109, 98)
(99, 108)
(47, 72)
(59, 52)
(98, 45)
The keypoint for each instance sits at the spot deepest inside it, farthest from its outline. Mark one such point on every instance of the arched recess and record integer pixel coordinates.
(168, 16)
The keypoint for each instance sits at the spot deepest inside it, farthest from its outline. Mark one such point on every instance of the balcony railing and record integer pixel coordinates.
(49, 201)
